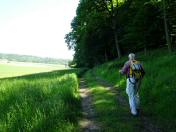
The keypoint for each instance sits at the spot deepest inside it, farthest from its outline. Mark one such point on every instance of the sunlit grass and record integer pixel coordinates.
(18, 69)
(40, 102)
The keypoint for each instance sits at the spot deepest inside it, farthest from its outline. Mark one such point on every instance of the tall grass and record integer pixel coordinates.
(158, 91)
(41, 102)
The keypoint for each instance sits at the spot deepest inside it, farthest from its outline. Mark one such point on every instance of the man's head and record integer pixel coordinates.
(131, 56)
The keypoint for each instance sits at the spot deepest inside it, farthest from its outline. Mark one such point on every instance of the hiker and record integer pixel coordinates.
(134, 73)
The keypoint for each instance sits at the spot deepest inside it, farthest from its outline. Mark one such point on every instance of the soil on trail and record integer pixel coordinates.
(145, 124)
(87, 123)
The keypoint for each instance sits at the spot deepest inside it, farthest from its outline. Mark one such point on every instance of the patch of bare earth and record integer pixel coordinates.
(87, 123)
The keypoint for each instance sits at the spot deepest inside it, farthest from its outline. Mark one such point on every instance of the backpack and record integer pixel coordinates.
(136, 70)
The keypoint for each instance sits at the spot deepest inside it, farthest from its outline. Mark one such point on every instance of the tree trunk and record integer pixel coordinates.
(145, 50)
(114, 26)
(166, 28)
(106, 56)
(172, 15)
(117, 43)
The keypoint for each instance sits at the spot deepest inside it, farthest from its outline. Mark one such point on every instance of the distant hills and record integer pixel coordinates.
(33, 59)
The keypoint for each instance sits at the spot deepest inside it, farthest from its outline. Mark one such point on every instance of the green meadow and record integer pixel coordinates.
(17, 69)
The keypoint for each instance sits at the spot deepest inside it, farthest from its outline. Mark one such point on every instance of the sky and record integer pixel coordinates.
(36, 27)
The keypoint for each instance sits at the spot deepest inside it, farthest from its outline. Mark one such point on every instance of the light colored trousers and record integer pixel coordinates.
(132, 91)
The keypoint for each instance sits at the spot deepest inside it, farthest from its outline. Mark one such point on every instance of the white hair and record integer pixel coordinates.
(131, 56)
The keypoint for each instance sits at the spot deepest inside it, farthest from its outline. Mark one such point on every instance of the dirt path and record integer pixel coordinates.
(87, 124)
(145, 124)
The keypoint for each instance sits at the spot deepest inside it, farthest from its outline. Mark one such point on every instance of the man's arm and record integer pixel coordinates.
(124, 69)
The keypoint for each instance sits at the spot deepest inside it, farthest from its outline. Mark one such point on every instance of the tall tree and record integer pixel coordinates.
(111, 7)
(105, 29)
(172, 20)
(168, 41)
(114, 12)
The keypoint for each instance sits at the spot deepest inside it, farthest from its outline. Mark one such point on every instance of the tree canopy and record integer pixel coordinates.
(106, 29)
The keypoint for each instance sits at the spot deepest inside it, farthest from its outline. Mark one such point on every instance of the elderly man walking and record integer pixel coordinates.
(134, 73)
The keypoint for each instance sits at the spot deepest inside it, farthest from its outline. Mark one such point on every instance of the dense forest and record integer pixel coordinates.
(34, 59)
(103, 30)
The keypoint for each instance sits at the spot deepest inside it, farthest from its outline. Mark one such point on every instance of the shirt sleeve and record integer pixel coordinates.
(125, 68)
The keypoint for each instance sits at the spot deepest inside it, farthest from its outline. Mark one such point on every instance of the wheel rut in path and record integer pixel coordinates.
(145, 124)
(87, 123)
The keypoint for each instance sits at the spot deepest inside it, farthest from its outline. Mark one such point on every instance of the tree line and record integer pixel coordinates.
(33, 59)
(106, 29)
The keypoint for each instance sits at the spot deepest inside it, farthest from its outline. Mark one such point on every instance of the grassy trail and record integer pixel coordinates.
(112, 109)
(87, 123)
(145, 124)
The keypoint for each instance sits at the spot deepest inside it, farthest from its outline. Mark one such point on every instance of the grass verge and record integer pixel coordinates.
(41, 102)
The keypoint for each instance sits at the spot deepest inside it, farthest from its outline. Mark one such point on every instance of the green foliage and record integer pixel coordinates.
(40, 102)
(91, 34)
(145, 30)
(158, 86)
(103, 28)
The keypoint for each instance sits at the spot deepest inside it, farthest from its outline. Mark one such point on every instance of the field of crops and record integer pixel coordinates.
(40, 102)
(18, 68)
